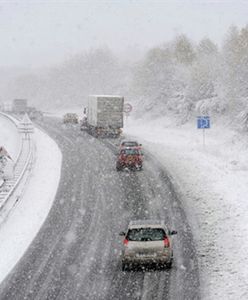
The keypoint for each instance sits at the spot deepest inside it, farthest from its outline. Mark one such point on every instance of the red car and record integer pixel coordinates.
(129, 158)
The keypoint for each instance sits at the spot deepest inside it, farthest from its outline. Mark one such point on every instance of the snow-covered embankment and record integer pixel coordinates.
(213, 184)
(25, 220)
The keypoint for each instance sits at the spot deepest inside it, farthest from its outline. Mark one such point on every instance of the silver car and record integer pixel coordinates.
(147, 242)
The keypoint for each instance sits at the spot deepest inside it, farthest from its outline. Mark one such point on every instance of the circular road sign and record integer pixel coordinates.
(127, 108)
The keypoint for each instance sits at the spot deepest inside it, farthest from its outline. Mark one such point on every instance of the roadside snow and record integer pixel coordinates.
(213, 184)
(25, 220)
(9, 137)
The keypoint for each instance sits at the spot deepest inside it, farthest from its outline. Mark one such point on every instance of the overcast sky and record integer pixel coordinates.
(36, 33)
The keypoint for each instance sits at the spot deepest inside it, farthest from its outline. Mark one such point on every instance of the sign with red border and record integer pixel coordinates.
(127, 108)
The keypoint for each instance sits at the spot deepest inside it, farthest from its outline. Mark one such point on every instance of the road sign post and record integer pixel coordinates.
(127, 108)
(203, 122)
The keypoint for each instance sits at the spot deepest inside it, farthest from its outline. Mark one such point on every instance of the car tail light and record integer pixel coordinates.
(125, 242)
(166, 243)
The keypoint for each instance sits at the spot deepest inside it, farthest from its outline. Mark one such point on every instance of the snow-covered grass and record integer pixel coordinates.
(22, 225)
(9, 137)
(213, 185)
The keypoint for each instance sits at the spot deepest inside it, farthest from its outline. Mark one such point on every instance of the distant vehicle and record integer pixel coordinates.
(6, 107)
(147, 242)
(71, 118)
(104, 116)
(19, 106)
(131, 158)
(34, 114)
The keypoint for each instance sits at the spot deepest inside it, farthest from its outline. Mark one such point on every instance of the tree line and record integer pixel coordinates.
(180, 78)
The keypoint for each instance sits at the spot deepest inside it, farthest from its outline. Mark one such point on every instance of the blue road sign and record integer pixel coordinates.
(203, 122)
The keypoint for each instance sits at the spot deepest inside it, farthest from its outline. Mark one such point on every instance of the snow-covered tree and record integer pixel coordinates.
(184, 51)
(204, 88)
(153, 79)
(69, 83)
(206, 48)
(235, 70)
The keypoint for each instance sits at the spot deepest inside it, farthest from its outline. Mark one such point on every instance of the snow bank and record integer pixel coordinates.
(9, 137)
(213, 184)
(25, 220)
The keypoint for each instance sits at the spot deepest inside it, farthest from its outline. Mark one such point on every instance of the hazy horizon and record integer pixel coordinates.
(36, 34)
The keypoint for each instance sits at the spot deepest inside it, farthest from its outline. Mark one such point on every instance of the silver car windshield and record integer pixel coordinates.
(146, 234)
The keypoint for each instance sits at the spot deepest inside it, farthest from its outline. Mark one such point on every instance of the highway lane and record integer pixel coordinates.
(76, 253)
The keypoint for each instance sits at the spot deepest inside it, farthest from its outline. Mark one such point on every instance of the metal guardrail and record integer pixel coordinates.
(12, 188)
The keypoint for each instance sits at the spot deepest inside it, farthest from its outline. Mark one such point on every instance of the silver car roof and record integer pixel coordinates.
(146, 223)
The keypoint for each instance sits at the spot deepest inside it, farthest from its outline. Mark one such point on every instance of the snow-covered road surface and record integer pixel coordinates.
(213, 183)
(76, 255)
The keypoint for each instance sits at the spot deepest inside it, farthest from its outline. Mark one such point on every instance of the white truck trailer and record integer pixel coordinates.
(104, 116)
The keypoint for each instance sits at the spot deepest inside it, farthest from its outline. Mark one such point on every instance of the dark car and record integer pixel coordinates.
(71, 118)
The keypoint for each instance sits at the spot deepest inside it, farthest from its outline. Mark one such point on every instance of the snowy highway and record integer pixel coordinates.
(76, 254)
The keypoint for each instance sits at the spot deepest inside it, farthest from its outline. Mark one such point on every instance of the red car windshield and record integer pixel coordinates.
(129, 144)
(130, 152)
